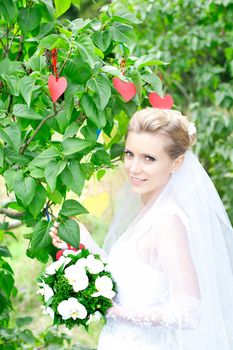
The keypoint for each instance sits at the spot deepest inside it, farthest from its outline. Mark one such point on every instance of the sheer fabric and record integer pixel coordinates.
(172, 261)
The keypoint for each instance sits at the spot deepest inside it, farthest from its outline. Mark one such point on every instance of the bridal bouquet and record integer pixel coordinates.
(77, 288)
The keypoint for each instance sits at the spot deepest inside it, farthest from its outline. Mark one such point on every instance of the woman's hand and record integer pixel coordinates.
(57, 242)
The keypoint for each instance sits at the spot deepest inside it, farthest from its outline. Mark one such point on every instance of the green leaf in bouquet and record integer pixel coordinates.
(125, 16)
(137, 80)
(101, 86)
(1, 155)
(9, 176)
(6, 282)
(72, 207)
(41, 238)
(68, 231)
(52, 169)
(111, 70)
(23, 321)
(73, 177)
(7, 66)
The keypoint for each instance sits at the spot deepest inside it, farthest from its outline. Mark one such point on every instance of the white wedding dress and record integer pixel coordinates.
(142, 288)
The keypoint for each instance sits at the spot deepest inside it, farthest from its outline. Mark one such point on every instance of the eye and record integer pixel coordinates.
(150, 159)
(128, 154)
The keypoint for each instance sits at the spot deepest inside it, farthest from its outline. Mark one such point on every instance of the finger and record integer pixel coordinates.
(56, 224)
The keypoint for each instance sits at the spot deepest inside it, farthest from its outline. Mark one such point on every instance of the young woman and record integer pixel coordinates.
(168, 246)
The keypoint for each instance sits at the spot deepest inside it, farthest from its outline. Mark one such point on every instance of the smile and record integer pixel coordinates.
(135, 179)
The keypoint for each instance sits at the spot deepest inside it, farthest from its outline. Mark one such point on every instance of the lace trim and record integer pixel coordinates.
(183, 312)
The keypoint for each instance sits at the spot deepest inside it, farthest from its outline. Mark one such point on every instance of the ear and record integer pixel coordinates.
(177, 162)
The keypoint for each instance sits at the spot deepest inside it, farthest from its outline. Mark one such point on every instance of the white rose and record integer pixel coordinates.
(52, 268)
(46, 291)
(77, 277)
(94, 265)
(104, 287)
(71, 308)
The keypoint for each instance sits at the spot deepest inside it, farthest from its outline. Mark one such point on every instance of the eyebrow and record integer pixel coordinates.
(143, 154)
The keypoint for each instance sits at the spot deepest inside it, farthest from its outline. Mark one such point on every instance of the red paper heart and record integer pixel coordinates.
(126, 89)
(156, 101)
(56, 87)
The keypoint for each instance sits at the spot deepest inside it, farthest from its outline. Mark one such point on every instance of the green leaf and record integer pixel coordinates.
(76, 3)
(79, 24)
(155, 83)
(9, 10)
(41, 238)
(77, 70)
(91, 111)
(102, 39)
(71, 130)
(114, 71)
(68, 231)
(12, 82)
(52, 170)
(4, 251)
(74, 145)
(148, 60)
(9, 67)
(6, 282)
(73, 177)
(14, 134)
(29, 19)
(125, 16)
(62, 6)
(87, 50)
(100, 85)
(137, 80)
(101, 157)
(44, 157)
(71, 207)
(24, 187)
(1, 155)
(38, 201)
(53, 41)
(9, 176)
(23, 321)
(23, 111)
(26, 88)
(122, 33)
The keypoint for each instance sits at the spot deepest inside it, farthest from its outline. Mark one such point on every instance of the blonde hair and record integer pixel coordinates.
(170, 123)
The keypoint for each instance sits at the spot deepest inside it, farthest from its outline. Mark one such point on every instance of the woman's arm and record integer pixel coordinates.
(180, 306)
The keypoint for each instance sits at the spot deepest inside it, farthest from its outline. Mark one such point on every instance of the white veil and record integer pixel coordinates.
(191, 196)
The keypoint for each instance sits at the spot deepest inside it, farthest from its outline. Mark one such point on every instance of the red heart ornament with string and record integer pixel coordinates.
(126, 89)
(157, 101)
(57, 86)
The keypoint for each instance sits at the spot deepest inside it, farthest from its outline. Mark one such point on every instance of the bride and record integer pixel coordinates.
(169, 247)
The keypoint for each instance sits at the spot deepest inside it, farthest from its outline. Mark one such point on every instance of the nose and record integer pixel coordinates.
(135, 166)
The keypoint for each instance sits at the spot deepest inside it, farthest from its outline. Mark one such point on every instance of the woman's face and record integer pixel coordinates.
(147, 164)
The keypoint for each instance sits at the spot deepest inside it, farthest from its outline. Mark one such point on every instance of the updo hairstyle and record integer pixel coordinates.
(170, 123)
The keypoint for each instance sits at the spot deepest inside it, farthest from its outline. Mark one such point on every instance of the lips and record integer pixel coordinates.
(136, 179)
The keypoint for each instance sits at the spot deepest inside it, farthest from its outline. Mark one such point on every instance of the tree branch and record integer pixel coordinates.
(11, 213)
(38, 129)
